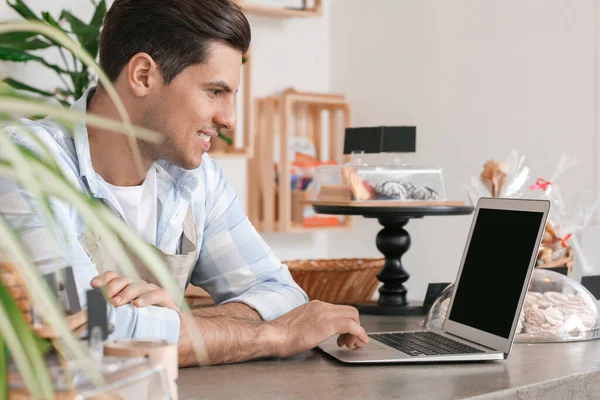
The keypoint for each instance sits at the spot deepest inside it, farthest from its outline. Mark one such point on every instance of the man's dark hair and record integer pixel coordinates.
(175, 33)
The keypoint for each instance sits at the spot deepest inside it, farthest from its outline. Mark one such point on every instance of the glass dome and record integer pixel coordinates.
(372, 182)
(556, 309)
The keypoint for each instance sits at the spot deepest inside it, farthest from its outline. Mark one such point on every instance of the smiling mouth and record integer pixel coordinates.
(204, 137)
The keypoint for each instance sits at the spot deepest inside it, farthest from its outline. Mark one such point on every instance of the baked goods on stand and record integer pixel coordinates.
(376, 182)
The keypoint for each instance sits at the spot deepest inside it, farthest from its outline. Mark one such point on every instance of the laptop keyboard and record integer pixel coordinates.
(424, 343)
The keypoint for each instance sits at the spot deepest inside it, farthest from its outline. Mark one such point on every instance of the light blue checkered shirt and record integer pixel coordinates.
(234, 265)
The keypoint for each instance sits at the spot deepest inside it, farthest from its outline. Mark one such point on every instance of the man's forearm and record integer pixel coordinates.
(226, 340)
(231, 310)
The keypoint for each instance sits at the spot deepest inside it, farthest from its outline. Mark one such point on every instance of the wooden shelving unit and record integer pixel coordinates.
(279, 118)
(277, 12)
(244, 147)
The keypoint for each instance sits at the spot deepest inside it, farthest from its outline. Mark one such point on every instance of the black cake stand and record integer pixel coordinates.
(393, 241)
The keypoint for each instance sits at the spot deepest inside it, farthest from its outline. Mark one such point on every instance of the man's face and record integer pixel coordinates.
(191, 109)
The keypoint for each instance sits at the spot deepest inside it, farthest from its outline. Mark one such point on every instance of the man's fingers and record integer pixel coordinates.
(350, 340)
(102, 279)
(132, 291)
(157, 297)
(121, 290)
(355, 329)
(115, 286)
(347, 327)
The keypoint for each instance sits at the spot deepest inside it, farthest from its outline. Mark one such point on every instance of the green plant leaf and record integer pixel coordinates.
(81, 81)
(99, 14)
(23, 40)
(3, 369)
(87, 35)
(12, 37)
(21, 342)
(50, 20)
(79, 27)
(225, 138)
(17, 55)
(19, 160)
(7, 91)
(64, 93)
(23, 86)
(22, 9)
(15, 102)
(33, 44)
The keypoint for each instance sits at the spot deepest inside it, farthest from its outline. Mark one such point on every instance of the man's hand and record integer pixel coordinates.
(121, 290)
(307, 326)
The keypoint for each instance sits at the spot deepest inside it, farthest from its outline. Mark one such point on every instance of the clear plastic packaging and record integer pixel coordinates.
(388, 180)
(556, 309)
(395, 182)
(126, 378)
(513, 179)
(506, 179)
(565, 220)
(328, 185)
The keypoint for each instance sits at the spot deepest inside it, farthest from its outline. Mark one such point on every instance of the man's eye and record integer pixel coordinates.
(215, 92)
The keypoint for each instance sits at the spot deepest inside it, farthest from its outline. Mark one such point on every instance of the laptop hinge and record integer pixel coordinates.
(470, 341)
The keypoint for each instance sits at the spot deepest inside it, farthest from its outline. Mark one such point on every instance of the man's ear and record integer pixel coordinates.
(142, 74)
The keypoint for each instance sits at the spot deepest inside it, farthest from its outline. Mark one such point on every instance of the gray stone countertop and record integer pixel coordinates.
(532, 371)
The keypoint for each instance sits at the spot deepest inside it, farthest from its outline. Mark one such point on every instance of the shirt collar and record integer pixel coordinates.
(183, 178)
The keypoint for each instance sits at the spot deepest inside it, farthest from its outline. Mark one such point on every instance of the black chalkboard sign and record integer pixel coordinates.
(381, 139)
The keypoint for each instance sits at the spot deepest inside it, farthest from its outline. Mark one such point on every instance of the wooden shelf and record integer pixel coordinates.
(281, 13)
(273, 204)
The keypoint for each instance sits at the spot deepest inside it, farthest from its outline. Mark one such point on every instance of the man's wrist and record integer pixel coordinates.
(273, 339)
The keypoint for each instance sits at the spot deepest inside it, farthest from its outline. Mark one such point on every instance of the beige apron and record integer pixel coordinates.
(180, 265)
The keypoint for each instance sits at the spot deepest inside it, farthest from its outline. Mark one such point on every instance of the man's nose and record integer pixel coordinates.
(226, 117)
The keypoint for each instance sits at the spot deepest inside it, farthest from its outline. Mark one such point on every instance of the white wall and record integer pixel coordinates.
(477, 78)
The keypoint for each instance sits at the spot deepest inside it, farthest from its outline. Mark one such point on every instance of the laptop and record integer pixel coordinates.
(492, 281)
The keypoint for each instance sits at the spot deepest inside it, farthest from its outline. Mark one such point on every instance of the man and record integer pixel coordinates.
(176, 66)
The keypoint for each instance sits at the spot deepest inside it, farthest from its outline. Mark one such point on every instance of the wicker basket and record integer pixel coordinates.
(337, 281)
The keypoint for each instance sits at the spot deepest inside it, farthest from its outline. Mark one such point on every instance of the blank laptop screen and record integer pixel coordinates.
(495, 269)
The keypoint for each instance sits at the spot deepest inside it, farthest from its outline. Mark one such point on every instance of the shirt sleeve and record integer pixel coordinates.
(53, 248)
(235, 263)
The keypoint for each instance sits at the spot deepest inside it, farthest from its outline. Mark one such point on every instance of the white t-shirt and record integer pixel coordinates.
(140, 206)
